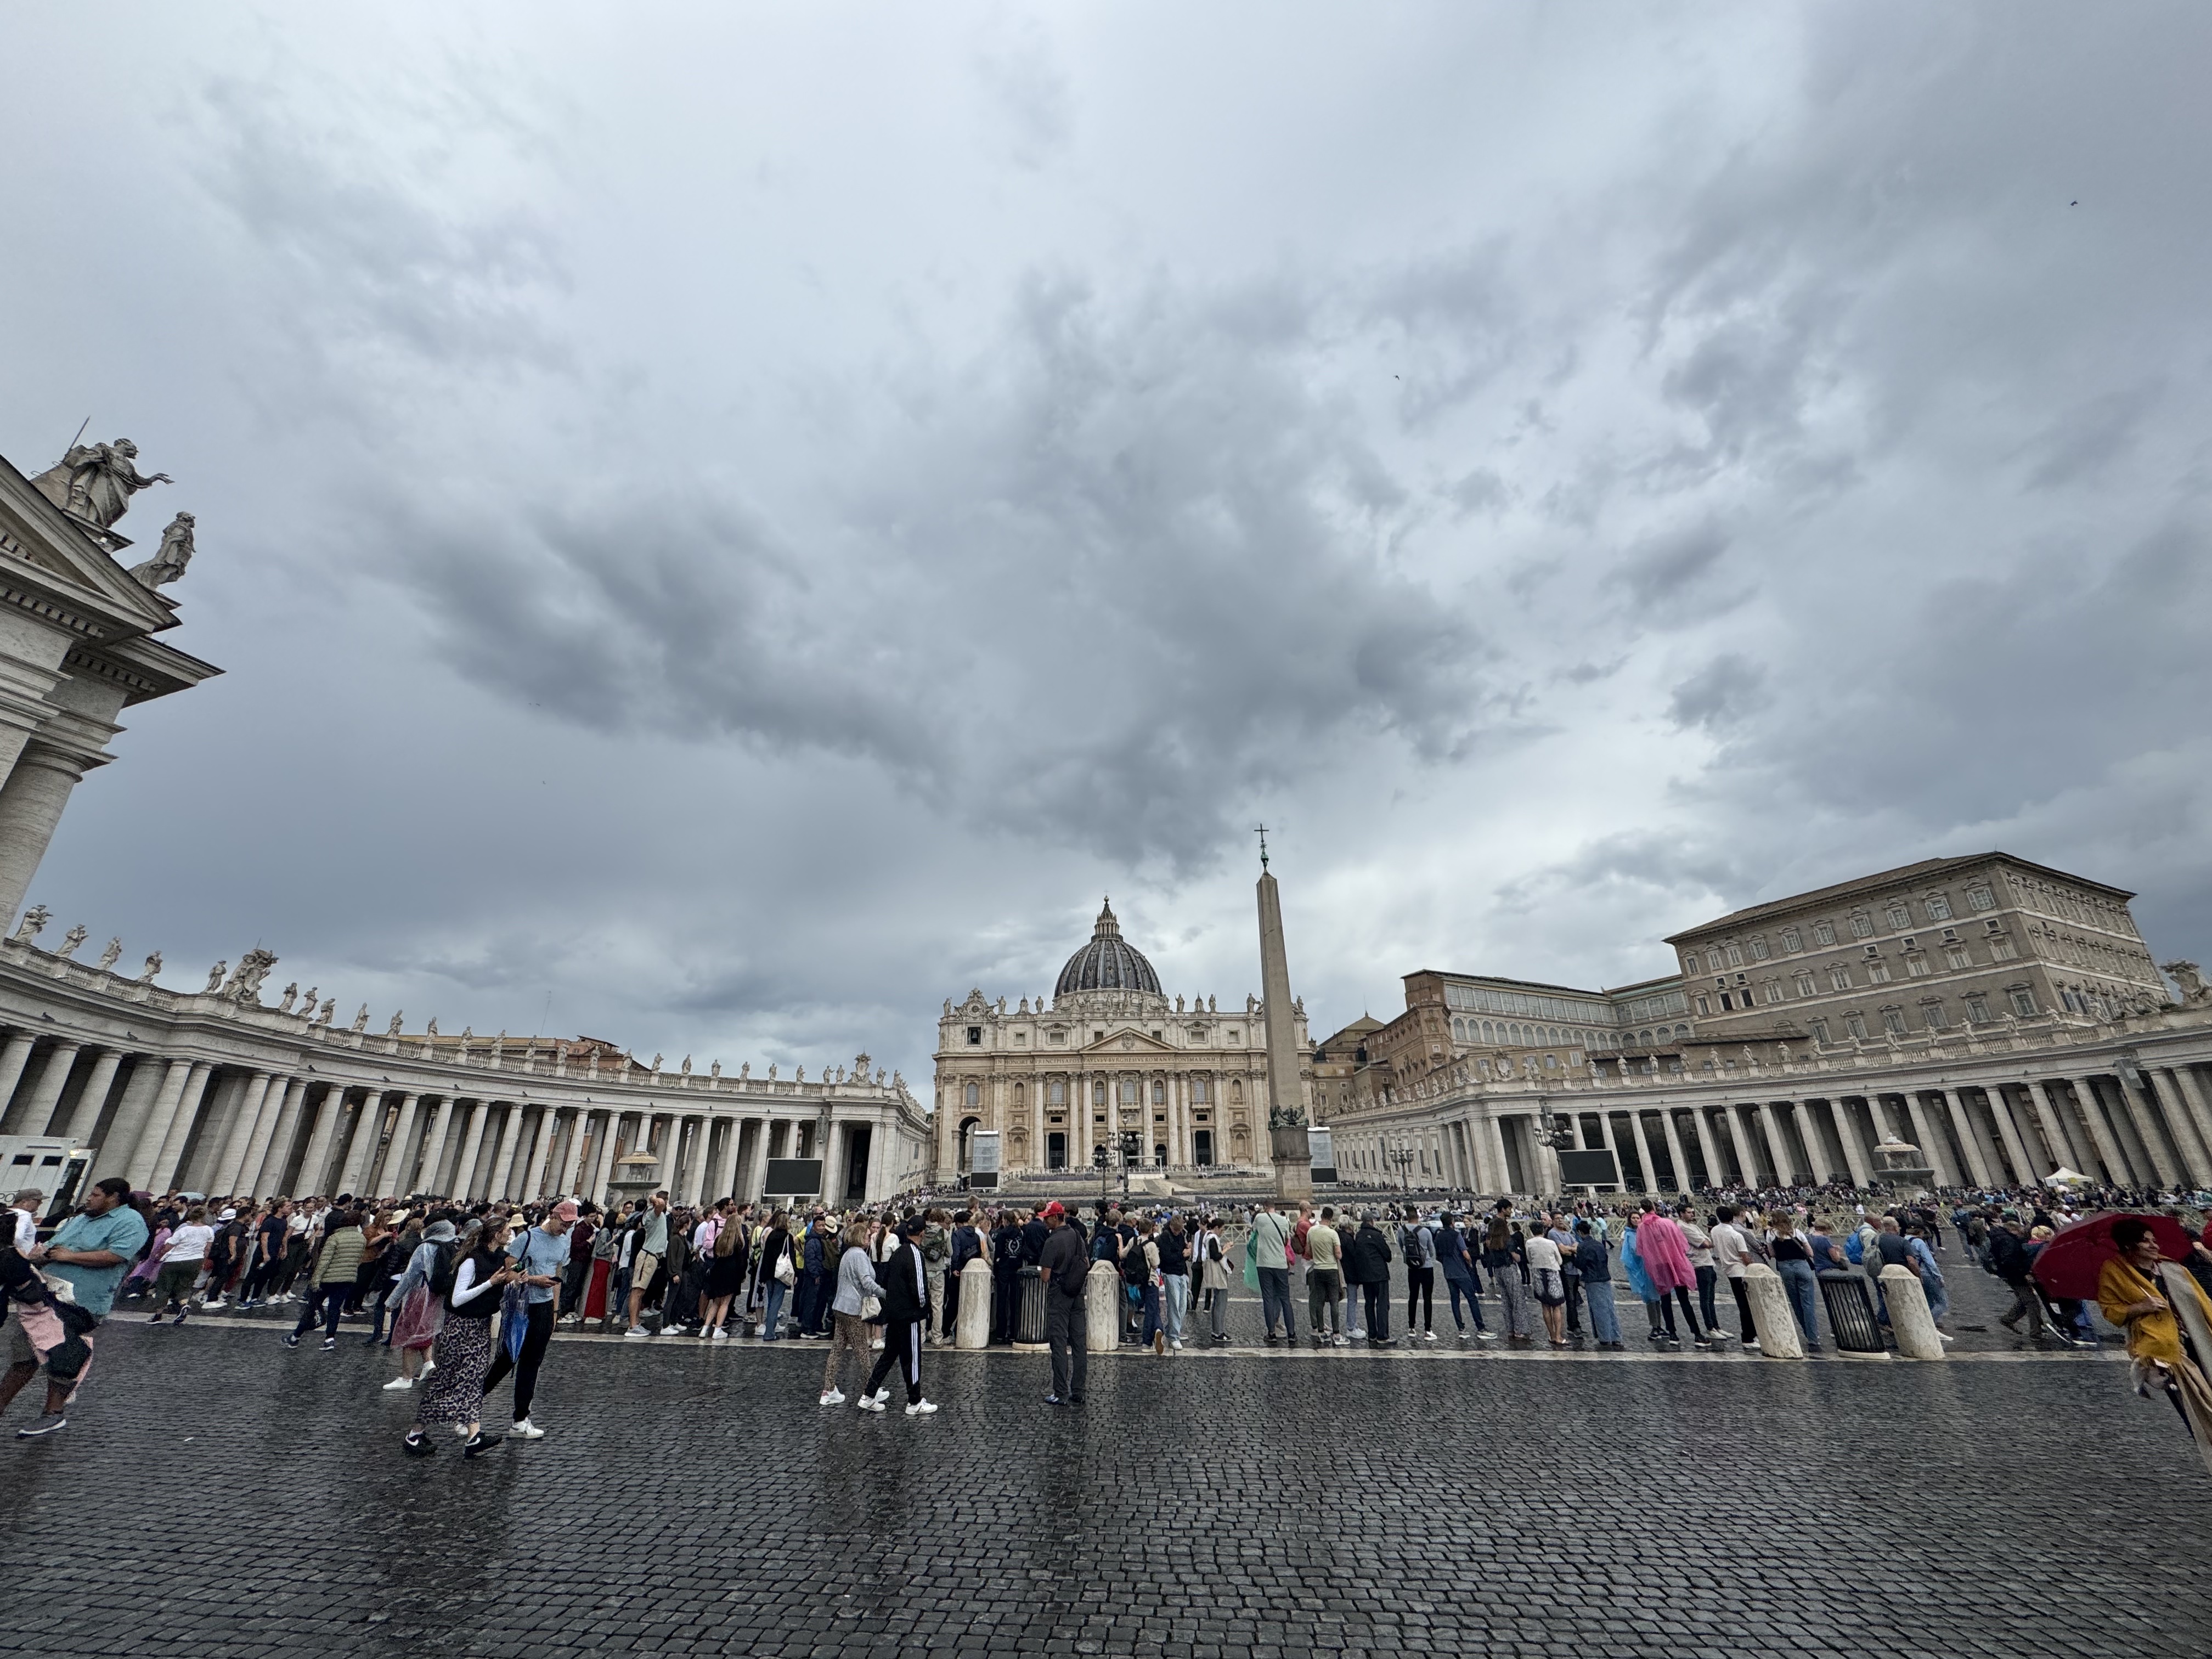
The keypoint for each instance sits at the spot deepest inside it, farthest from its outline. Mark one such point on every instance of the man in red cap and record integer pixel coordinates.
(541, 1253)
(1065, 1268)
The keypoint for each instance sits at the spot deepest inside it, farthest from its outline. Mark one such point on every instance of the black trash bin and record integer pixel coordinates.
(1851, 1312)
(1030, 1328)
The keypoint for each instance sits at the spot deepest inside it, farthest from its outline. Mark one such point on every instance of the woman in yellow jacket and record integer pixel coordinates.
(2129, 1293)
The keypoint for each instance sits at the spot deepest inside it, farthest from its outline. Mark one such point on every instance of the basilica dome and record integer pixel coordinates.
(1108, 964)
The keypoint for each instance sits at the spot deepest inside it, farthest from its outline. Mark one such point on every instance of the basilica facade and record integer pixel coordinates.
(1109, 1054)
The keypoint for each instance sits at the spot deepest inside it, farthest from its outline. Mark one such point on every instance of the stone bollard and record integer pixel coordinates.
(1102, 1308)
(972, 1324)
(1908, 1315)
(1771, 1316)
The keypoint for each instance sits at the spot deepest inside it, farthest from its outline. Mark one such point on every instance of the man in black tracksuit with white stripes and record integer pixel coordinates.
(905, 1280)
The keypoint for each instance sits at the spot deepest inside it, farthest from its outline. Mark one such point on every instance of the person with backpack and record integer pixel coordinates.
(1141, 1272)
(1367, 1274)
(1419, 1242)
(418, 1313)
(1461, 1277)
(472, 1296)
(1267, 1251)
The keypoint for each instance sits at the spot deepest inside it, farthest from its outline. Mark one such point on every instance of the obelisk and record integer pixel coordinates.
(1287, 1112)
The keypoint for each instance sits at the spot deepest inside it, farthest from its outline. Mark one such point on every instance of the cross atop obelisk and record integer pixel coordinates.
(1287, 1112)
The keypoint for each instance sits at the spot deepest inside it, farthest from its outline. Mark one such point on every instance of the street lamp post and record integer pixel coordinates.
(1403, 1158)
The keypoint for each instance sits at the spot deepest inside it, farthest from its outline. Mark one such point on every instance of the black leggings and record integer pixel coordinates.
(902, 1348)
(1420, 1293)
(1743, 1311)
(1689, 1313)
(535, 1336)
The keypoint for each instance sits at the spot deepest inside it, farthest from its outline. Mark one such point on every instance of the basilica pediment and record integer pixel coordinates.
(62, 550)
(1127, 1040)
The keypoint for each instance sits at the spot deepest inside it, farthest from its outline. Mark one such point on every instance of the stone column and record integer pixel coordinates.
(276, 1150)
(1921, 1127)
(20, 1044)
(232, 1164)
(315, 1163)
(2016, 1145)
(499, 1182)
(137, 1160)
(1770, 1126)
(724, 1166)
(1954, 1107)
(2056, 1114)
(393, 1172)
(2195, 1108)
(361, 1149)
(603, 1156)
(1497, 1146)
(84, 1122)
(172, 1150)
(30, 1114)
(430, 1170)
(2133, 1118)
(2085, 1097)
(464, 1176)
(1675, 1150)
(531, 1183)
(31, 801)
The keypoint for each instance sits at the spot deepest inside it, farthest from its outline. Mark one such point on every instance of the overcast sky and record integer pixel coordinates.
(726, 527)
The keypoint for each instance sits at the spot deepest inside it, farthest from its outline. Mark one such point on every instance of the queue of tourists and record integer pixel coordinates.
(467, 1297)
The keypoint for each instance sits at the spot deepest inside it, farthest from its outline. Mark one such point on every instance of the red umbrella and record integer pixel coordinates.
(2069, 1262)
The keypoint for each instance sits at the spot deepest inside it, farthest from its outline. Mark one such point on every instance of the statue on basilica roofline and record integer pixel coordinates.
(96, 482)
(107, 957)
(175, 552)
(153, 966)
(361, 1019)
(71, 940)
(33, 920)
(245, 984)
(215, 978)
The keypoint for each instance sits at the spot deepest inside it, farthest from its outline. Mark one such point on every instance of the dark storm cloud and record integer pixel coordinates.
(1722, 693)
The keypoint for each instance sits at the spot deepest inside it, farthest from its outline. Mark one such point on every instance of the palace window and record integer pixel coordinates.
(1978, 1009)
(2023, 1001)
(1057, 1036)
(1021, 1039)
(1702, 1008)
(1128, 1091)
(1931, 1015)
(1899, 916)
(1917, 965)
(1840, 977)
(1690, 962)
(1792, 939)
(1734, 957)
(1956, 956)
(2001, 948)
(1939, 907)
(1824, 932)
(1804, 982)
(1159, 1092)
(1980, 898)
(1893, 1021)
(1856, 1024)
(1774, 990)
(1820, 1031)
(1878, 971)
(1863, 925)
(1759, 953)
(1099, 1093)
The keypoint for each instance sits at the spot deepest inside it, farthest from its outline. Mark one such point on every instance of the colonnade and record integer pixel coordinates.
(2126, 1121)
(187, 1122)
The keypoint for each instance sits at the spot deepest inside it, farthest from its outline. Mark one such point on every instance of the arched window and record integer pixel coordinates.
(1056, 1092)
(1128, 1091)
(1199, 1093)
(1159, 1091)
(1098, 1091)
(971, 1095)
(1018, 1096)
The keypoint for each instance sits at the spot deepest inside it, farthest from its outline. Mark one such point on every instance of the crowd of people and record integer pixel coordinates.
(470, 1296)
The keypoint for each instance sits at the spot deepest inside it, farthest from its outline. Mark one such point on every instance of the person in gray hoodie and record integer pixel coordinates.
(415, 1327)
(856, 1281)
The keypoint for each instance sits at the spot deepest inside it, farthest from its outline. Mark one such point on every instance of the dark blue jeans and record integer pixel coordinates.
(1275, 1299)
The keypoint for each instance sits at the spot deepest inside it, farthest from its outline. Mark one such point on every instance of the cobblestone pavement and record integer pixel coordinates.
(217, 1494)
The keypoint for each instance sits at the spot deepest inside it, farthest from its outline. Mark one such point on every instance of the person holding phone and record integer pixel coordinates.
(455, 1392)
